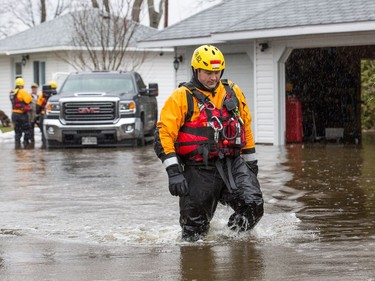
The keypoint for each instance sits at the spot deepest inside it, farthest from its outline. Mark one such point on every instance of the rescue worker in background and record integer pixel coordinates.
(34, 95)
(21, 104)
(47, 91)
(206, 144)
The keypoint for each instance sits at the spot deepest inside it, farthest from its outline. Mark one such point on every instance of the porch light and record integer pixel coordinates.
(24, 60)
(263, 46)
(176, 62)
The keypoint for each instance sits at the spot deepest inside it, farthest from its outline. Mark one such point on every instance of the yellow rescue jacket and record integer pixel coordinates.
(41, 104)
(21, 100)
(175, 110)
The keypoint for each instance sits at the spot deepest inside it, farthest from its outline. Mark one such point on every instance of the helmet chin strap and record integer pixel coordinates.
(195, 81)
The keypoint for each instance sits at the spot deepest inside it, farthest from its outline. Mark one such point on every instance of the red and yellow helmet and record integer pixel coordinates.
(208, 57)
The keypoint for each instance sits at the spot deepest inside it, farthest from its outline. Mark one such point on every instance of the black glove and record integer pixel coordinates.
(253, 166)
(177, 183)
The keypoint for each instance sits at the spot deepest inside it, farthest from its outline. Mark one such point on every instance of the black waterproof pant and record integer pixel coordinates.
(207, 188)
(22, 127)
(40, 125)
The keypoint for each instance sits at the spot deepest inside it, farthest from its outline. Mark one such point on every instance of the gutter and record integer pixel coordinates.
(295, 31)
(178, 42)
(70, 48)
(224, 37)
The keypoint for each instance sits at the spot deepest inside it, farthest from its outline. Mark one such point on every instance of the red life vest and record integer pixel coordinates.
(215, 133)
(17, 104)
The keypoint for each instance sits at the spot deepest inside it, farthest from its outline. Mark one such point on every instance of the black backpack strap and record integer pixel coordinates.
(190, 102)
(201, 98)
(228, 88)
(225, 81)
(230, 95)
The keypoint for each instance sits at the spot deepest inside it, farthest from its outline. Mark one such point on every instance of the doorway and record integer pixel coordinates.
(327, 84)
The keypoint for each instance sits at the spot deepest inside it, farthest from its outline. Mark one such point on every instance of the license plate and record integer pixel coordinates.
(89, 140)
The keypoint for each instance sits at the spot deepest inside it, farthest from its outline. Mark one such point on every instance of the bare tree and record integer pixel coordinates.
(106, 6)
(153, 15)
(43, 12)
(95, 4)
(101, 39)
(28, 13)
(102, 30)
(31, 13)
(136, 11)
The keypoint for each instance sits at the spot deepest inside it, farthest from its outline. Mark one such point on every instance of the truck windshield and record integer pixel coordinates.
(106, 83)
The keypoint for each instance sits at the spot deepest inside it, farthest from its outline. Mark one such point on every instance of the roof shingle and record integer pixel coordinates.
(250, 15)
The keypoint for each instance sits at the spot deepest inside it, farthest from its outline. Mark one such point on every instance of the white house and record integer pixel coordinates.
(37, 55)
(313, 46)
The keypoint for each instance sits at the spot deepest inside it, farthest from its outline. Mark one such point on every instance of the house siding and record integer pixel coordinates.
(264, 96)
(5, 84)
(159, 69)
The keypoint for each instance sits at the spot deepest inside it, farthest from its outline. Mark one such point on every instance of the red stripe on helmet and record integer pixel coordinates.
(215, 62)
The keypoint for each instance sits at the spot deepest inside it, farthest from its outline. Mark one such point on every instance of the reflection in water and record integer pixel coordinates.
(108, 212)
(335, 200)
(27, 168)
(234, 261)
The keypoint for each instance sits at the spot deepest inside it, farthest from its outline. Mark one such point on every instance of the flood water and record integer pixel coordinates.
(106, 214)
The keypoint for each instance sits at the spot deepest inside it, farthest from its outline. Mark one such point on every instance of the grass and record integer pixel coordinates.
(6, 129)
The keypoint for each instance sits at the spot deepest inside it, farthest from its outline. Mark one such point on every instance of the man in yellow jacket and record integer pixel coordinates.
(21, 104)
(205, 142)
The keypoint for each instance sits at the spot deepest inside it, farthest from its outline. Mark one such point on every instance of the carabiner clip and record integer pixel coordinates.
(210, 105)
(212, 123)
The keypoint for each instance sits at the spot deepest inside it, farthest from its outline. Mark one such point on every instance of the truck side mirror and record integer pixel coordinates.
(153, 89)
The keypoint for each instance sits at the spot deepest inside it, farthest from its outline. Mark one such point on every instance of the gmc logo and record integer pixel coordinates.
(88, 110)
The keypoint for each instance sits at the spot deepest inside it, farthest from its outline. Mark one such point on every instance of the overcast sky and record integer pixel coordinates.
(179, 10)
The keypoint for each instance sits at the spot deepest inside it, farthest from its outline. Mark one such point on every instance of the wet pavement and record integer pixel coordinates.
(106, 214)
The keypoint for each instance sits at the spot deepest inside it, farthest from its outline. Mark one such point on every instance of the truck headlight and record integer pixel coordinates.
(127, 107)
(53, 108)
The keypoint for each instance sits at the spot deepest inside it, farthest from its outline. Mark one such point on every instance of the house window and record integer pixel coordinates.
(18, 69)
(39, 68)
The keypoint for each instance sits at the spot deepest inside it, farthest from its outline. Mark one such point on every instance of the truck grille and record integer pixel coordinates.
(89, 111)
